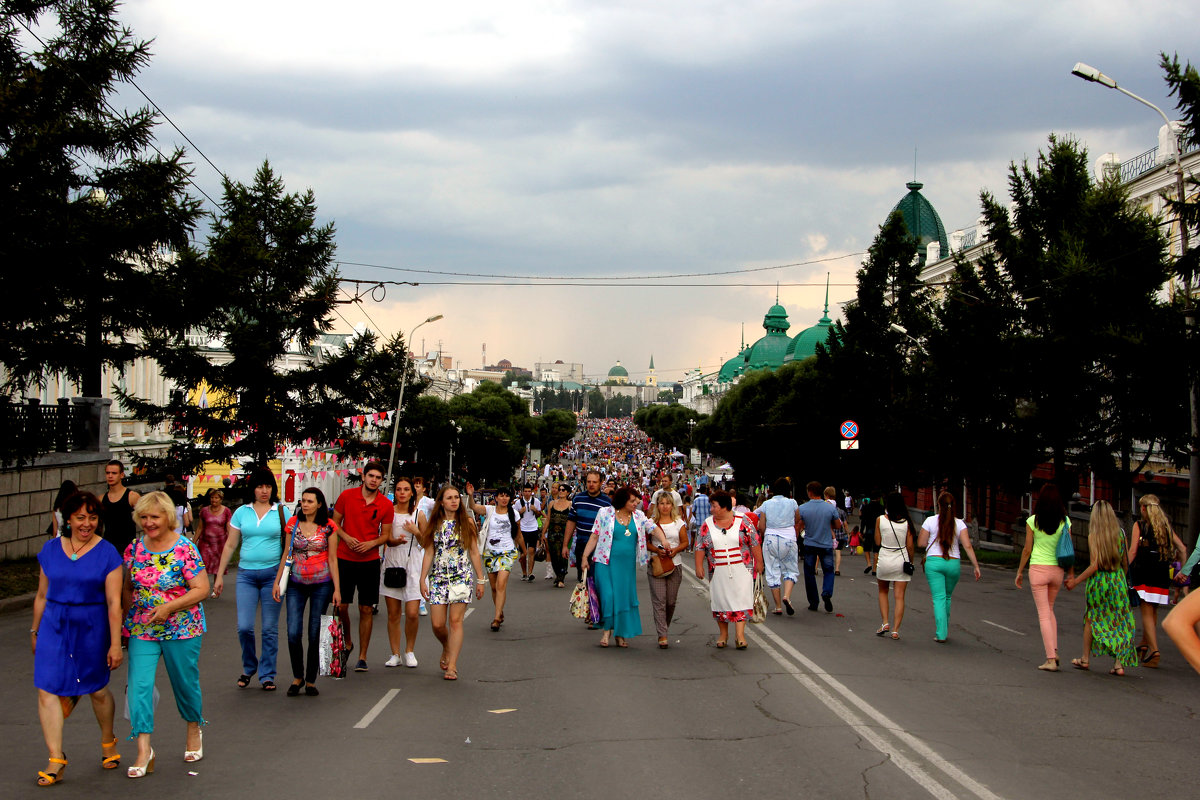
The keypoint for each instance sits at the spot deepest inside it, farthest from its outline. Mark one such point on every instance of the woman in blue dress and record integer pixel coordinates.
(619, 542)
(76, 631)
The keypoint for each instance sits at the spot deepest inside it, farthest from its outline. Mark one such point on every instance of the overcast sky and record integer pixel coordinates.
(628, 140)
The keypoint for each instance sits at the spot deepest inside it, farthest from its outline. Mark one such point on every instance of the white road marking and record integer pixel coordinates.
(761, 633)
(370, 716)
(1003, 627)
(469, 610)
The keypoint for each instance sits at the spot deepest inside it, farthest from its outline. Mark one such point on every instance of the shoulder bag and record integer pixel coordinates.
(908, 567)
(397, 577)
(1064, 553)
(287, 562)
(661, 566)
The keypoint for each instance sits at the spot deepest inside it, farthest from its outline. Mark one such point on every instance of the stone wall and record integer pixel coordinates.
(26, 497)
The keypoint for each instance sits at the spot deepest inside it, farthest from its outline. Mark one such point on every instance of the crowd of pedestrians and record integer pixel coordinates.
(121, 583)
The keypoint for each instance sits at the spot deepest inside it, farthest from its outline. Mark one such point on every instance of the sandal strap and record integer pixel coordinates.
(62, 761)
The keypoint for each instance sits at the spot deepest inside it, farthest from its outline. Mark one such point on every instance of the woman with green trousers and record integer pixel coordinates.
(945, 537)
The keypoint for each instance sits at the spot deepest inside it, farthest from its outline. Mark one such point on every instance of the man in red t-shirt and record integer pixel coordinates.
(364, 519)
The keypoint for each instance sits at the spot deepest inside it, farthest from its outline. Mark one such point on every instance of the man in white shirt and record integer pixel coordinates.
(529, 508)
(665, 482)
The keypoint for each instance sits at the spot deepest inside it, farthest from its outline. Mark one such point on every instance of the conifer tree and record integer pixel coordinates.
(87, 213)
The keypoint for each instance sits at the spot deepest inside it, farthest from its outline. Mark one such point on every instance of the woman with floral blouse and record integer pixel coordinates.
(164, 584)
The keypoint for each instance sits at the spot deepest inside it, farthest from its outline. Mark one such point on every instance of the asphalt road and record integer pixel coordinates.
(818, 706)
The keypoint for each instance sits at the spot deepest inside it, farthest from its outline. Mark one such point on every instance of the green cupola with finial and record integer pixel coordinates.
(804, 345)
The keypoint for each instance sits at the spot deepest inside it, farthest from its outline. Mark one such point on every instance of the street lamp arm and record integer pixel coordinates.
(400, 401)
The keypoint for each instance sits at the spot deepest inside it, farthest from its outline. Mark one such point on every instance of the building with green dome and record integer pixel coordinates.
(922, 220)
(618, 374)
(804, 345)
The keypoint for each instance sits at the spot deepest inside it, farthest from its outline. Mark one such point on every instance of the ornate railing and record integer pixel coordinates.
(29, 429)
(1147, 161)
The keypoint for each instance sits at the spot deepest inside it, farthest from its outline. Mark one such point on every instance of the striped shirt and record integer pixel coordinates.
(583, 512)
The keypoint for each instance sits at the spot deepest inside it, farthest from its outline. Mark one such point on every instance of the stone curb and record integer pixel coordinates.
(21, 602)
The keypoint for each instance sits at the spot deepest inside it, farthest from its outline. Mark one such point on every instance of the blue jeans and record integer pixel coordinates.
(811, 554)
(317, 596)
(254, 588)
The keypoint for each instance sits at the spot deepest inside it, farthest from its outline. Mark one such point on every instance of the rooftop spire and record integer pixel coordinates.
(776, 292)
(825, 316)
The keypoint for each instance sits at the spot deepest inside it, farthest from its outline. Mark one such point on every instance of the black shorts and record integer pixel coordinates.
(531, 537)
(360, 575)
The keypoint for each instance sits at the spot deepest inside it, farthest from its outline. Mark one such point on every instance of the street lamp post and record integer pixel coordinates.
(400, 401)
(1089, 73)
(457, 430)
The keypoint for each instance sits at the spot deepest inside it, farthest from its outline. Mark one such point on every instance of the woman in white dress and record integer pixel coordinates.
(403, 551)
(729, 545)
(894, 540)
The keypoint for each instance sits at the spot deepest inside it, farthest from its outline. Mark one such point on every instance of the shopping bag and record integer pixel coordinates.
(1065, 552)
(331, 657)
(579, 599)
(760, 602)
(594, 615)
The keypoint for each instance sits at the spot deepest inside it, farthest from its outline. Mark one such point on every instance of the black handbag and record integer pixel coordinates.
(395, 577)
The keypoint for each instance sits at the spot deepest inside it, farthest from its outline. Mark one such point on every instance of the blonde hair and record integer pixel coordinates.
(1160, 526)
(675, 512)
(155, 501)
(1106, 543)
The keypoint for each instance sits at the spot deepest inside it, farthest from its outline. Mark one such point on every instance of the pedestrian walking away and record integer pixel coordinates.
(1152, 548)
(779, 524)
(1042, 531)
(944, 538)
(894, 564)
(1108, 626)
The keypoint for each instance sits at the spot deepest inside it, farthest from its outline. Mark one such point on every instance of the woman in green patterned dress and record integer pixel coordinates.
(1108, 626)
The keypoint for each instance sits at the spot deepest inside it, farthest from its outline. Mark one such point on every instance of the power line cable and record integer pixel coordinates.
(739, 271)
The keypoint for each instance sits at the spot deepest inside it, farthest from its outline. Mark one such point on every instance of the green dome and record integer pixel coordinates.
(618, 371)
(768, 352)
(922, 220)
(804, 345)
(732, 368)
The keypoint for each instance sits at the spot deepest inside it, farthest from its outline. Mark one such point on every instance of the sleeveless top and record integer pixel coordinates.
(556, 525)
(118, 521)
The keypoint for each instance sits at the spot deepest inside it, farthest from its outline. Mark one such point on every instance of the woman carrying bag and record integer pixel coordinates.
(664, 573)
(893, 565)
(312, 580)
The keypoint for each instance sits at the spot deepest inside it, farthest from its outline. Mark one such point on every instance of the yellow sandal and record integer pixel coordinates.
(113, 761)
(51, 778)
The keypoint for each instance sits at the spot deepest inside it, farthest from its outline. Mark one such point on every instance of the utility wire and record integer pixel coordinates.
(739, 271)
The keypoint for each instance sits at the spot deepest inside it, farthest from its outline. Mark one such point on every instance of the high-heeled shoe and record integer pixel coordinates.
(141, 772)
(195, 755)
(109, 762)
(51, 778)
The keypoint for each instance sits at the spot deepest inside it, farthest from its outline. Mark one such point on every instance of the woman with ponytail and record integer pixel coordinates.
(944, 537)
(1152, 548)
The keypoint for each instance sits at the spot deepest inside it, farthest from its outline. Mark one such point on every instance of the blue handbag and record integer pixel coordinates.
(1065, 552)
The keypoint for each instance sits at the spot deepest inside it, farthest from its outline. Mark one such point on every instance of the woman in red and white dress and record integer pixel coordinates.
(730, 548)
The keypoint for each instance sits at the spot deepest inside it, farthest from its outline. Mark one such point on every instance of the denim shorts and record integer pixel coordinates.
(781, 557)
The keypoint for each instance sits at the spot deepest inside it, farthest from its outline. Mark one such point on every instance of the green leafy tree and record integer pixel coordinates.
(86, 214)
(267, 247)
(553, 429)
(1086, 268)
(496, 428)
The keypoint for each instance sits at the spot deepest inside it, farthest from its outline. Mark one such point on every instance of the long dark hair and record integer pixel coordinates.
(1048, 510)
(321, 518)
(946, 524)
(263, 477)
(65, 490)
(412, 498)
(512, 517)
(896, 509)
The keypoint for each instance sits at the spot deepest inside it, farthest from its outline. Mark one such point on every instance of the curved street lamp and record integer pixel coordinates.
(400, 402)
